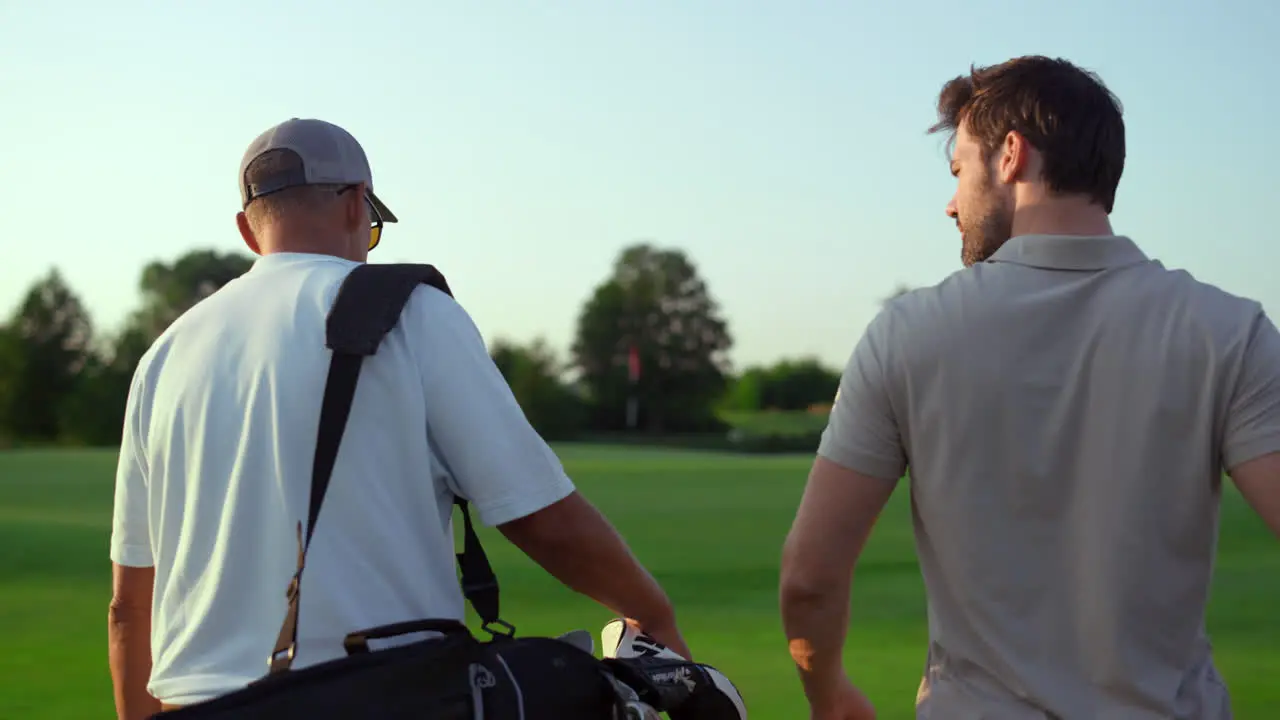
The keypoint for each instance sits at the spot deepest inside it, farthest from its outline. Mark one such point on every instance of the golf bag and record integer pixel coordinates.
(453, 676)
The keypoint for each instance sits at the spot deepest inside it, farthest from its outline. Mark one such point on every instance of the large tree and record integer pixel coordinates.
(56, 383)
(656, 305)
(94, 412)
(13, 362)
(45, 347)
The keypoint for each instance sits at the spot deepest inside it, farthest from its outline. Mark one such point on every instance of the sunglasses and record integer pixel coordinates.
(375, 219)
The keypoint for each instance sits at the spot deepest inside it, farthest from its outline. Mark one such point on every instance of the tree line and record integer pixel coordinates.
(649, 356)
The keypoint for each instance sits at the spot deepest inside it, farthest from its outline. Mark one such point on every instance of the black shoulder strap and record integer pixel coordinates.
(367, 307)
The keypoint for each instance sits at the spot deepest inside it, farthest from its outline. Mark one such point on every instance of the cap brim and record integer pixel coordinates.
(383, 211)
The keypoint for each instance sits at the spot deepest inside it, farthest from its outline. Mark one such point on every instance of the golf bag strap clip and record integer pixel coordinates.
(479, 583)
(368, 306)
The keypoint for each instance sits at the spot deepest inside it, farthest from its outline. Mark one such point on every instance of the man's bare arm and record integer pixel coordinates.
(1259, 482)
(835, 518)
(129, 641)
(1251, 436)
(577, 545)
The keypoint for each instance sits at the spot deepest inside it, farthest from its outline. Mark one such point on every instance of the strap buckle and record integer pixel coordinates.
(506, 629)
(287, 655)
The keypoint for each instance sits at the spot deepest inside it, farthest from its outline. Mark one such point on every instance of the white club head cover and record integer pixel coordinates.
(622, 640)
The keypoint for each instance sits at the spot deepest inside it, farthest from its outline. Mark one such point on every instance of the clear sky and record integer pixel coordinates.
(523, 144)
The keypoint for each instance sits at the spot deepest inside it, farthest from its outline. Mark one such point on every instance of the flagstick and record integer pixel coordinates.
(633, 376)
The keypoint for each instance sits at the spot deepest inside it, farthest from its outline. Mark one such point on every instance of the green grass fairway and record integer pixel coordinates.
(710, 526)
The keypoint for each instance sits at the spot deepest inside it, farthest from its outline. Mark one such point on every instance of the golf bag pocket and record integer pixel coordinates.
(452, 677)
(557, 681)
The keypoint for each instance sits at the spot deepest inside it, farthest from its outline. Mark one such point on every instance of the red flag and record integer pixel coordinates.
(633, 365)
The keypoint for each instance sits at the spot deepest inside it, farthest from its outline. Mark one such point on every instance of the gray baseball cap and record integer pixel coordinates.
(329, 154)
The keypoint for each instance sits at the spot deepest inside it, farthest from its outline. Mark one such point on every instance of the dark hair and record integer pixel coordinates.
(1063, 111)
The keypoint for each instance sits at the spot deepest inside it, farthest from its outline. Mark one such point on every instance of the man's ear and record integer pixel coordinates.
(1014, 157)
(353, 210)
(246, 233)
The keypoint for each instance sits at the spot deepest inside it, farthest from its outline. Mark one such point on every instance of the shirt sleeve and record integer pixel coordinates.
(1252, 428)
(130, 531)
(862, 431)
(494, 457)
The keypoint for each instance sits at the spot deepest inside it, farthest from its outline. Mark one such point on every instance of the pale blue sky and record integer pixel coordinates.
(522, 144)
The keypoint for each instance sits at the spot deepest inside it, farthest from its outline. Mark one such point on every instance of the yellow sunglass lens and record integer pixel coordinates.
(375, 234)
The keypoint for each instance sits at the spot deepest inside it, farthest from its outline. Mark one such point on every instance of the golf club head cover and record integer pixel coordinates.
(662, 678)
(580, 639)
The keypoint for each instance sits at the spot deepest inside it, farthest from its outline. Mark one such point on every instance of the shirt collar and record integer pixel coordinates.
(1070, 252)
(281, 259)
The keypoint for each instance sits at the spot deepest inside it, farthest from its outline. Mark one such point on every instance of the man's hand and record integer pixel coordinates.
(846, 702)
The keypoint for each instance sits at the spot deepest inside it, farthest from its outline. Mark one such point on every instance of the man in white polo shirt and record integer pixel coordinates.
(215, 466)
(1067, 407)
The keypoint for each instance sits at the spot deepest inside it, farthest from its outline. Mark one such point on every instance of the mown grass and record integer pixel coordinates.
(709, 525)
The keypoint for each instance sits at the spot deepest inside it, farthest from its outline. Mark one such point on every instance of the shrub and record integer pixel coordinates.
(774, 442)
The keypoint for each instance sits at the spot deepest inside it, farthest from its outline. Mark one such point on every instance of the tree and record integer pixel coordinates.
(785, 385)
(92, 413)
(56, 383)
(535, 377)
(745, 391)
(13, 363)
(655, 303)
(46, 346)
(168, 290)
(798, 384)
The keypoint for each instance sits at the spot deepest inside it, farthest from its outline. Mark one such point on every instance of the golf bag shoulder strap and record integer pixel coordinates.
(368, 306)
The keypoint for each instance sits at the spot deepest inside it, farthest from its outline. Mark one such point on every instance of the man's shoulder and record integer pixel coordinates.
(924, 311)
(927, 299)
(988, 281)
(195, 318)
(1202, 295)
(1206, 311)
(430, 308)
(429, 298)
(434, 328)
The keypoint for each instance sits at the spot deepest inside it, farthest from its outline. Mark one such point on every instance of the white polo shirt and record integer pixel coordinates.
(215, 473)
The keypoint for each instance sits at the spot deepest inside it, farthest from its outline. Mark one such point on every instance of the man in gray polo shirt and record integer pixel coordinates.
(1067, 407)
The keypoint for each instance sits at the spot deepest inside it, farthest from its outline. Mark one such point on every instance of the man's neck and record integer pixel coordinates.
(308, 243)
(1061, 217)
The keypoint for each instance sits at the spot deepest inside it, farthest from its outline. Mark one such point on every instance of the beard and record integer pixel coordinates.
(986, 227)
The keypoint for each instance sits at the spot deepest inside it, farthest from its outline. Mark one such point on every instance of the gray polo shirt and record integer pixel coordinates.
(1067, 409)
